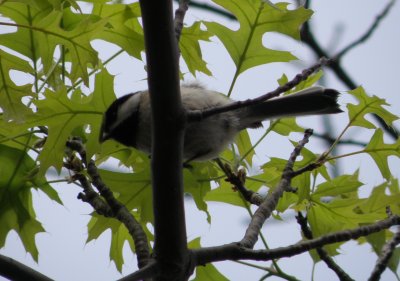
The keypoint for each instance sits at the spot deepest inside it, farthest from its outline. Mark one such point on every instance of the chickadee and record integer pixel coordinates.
(128, 119)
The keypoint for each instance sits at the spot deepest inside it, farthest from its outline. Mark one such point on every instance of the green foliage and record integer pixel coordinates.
(366, 105)
(67, 87)
(18, 176)
(245, 45)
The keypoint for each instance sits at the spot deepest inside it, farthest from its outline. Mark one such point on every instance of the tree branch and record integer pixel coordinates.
(150, 270)
(14, 270)
(179, 16)
(343, 276)
(386, 254)
(307, 37)
(235, 251)
(264, 211)
(110, 206)
(198, 115)
(168, 120)
(331, 140)
(368, 33)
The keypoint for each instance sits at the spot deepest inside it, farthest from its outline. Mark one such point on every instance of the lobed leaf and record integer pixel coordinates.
(10, 94)
(17, 179)
(245, 45)
(367, 105)
(62, 115)
(123, 28)
(379, 151)
(190, 48)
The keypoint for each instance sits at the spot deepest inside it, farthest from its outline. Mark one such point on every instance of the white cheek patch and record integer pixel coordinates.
(126, 109)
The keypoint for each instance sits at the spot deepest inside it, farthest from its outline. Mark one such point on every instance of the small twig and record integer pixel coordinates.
(111, 207)
(343, 276)
(386, 254)
(238, 181)
(266, 208)
(368, 33)
(179, 16)
(235, 251)
(331, 140)
(198, 115)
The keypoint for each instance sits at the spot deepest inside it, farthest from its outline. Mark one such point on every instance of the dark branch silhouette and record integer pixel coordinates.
(14, 270)
(324, 256)
(170, 245)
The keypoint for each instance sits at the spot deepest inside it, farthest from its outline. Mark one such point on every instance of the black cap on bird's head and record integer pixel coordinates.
(120, 120)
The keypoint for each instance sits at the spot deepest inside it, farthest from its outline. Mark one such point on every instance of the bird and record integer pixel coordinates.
(128, 119)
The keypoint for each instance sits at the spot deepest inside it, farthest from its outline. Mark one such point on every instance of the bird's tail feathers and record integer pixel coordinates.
(311, 101)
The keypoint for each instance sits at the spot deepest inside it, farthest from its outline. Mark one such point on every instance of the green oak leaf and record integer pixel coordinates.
(23, 39)
(285, 126)
(40, 32)
(197, 183)
(18, 177)
(10, 94)
(245, 45)
(380, 151)
(62, 115)
(190, 48)
(50, 34)
(245, 147)
(380, 199)
(133, 190)
(339, 214)
(122, 27)
(367, 105)
(337, 186)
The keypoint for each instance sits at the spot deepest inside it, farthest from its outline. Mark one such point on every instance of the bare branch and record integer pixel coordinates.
(179, 16)
(343, 276)
(235, 251)
(111, 207)
(386, 254)
(331, 140)
(92, 197)
(198, 115)
(14, 270)
(368, 33)
(264, 211)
